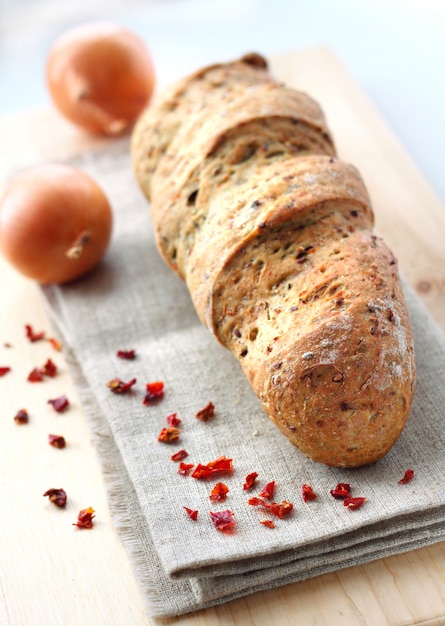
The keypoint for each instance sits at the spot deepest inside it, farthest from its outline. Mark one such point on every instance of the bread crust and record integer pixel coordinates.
(274, 237)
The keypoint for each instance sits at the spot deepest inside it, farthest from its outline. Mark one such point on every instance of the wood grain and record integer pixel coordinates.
(53, 573)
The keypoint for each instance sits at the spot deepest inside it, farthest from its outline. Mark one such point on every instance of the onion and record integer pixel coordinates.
(55, 223)
(100, 76)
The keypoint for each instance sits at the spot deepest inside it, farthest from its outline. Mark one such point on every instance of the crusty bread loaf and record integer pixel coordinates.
(273, 235)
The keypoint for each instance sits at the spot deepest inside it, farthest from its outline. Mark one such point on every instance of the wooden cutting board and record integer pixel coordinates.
(52, 574)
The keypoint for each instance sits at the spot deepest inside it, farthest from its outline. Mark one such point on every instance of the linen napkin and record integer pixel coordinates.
(134, 301)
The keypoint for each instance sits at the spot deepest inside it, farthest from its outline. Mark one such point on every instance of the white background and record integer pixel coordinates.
(395, 50)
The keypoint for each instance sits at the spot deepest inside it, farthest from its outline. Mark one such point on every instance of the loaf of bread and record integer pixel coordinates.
(273, 235)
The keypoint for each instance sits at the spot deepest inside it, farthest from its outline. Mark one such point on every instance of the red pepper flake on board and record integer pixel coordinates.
(35, 376)
(116, 385)
(167, 435)
(407, 477)
(55, 343)
(185, 468)
(154, 391)
(223, 520)
(179, 455)
(219, 492)
(4, 370)
(308, 493)
(354, 503)
(57, 441)
(21, 417)
(59, 404)
(85, 518)
(173, 420)
(57, 496)
(207, 413)
(341, 491)
(32, 336)
(193, 514)
(250, 480)
(268, 490)
(280, 509)
(268, 522)
(49, 369)
(38, 373)
(221, 465)
(128, 355)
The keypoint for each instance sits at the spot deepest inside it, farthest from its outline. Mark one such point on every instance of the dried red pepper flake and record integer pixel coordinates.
(57, 441)
(38, 373)
(193, 514)
(85, 518)
(219, 492)
(268, 522)
(341, 491)
(35, 376)
(154, 391)
(128, 355)
(280, 509)
(250, 480)
(57, 496)
(33, 336)
(308, 493)
(255, 501)
(223, 520)
(49, 369)
(55, 343)
(4, 370)
(185, 468)
(167, 435)
(221, 465)
(268, 490)
(173, 419)
(407, 477)
(354, 503)
(179, 455)
(116, 385)
(21, 417)
(59, 404)
(207, 413)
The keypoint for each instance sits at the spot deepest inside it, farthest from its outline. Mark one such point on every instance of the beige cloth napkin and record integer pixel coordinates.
(134, 301)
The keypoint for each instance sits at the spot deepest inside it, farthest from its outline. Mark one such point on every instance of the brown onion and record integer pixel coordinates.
(100, 77)
(55, 223)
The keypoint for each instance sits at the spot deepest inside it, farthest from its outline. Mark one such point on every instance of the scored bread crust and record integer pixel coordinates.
(274, 238)
(160, 123)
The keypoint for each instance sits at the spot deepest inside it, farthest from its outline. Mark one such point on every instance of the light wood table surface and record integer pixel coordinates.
(53, 574)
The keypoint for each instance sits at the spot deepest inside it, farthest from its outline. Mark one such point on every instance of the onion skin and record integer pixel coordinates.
(55, 223)
(100, 77)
